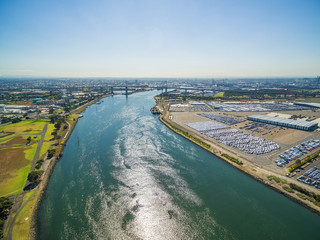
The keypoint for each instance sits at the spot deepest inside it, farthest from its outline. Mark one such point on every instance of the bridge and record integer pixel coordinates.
(127, 88)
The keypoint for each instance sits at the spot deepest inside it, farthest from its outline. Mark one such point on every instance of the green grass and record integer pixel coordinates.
(220, 94)
(288, 189)
(72, 116)
(310, 199)
(232, 159)
(25, 127)
(44, 149)
(21, 228)
(29, 153)
(8, 138)
(277, 179)
(50, 129)
(15, 183)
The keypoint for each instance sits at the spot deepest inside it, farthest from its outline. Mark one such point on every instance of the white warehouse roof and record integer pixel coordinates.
(299, 124)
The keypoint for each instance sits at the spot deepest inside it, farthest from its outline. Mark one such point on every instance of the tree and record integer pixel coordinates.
(53, 118)
(67, 109)
(5, 206)
(51, 110)
(298, 161)
(34, 176)
(28, 140)
(54, 134)
(51, 152)
(15, 120)
(58, 138)
(58, 125)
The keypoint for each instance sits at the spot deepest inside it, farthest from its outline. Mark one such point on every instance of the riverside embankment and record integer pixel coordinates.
(255, 171)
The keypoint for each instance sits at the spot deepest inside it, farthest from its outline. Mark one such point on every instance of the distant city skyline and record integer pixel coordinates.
(158, 39)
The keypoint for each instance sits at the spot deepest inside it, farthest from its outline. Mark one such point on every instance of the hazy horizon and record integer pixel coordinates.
(160, 39)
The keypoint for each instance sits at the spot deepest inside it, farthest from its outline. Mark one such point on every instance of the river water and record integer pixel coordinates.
(124, 175)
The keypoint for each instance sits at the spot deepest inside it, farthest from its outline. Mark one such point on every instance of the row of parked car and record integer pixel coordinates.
(311, 177)
(296, 152)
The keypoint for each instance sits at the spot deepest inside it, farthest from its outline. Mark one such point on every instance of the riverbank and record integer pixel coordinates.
(46, 176)
(269, 178)
(24, 220)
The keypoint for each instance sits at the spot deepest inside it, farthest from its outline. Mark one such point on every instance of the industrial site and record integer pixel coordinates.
(282, 138)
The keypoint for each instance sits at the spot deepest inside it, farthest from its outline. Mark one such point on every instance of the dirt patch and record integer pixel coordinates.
(4, 134)
(28, 130)
(16, 140)
(11, 160)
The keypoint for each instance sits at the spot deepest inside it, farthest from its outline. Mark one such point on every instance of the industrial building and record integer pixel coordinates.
(284, 122)
(312, 105)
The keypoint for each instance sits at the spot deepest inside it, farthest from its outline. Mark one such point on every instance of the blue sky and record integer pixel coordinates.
(154, 38)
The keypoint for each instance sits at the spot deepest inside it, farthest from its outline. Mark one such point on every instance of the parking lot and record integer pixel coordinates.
(310, 175)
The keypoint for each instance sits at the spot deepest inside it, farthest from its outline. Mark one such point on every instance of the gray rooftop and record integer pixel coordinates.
(284, 120)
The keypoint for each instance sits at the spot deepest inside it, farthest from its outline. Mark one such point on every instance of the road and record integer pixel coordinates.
(36, 156)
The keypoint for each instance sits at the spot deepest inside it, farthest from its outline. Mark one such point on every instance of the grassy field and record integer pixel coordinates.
(221, 94)
(19, 139)
(25, 127)
(15, 164)
(50, 129)
(44, 149)
(21, 229)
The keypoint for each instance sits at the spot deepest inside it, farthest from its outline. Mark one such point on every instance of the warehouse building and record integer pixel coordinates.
(284, 122)
(312, 105)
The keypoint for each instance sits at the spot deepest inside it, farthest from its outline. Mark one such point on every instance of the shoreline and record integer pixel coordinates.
(261, 179)
(47, 175)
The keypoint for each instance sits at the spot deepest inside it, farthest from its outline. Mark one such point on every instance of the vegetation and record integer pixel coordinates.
(299, 162)
(232, 159)
(25, 126)
(51, 152)
(276, 179)
(16, 120)
(28, 140)
(39, 164)
(313, 197)
(34, 176)
(5, 206)
(187, 135)
(21, 228)
(288, 189)
(15, 163)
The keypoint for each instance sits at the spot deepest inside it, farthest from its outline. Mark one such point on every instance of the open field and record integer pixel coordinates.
(16, 161)
(25, 127)
(14, 140)
(15, 164)
(21, 228)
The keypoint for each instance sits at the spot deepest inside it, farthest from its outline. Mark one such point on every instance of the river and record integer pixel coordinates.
(124, 175)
